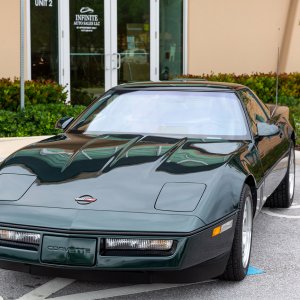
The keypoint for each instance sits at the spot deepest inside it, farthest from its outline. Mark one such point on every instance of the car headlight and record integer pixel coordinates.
(138, 244)
(20, 236)
(14, 186)
(180, 196)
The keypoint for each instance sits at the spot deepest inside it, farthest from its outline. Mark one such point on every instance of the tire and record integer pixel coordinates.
(283, 196)
(238, 263)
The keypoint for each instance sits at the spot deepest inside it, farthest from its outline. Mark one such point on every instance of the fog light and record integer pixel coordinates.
(138, 244)
(20, 236)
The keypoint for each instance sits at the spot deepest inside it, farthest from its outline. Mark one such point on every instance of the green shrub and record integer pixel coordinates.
(36, 92)
(36, 120)
(264, 85)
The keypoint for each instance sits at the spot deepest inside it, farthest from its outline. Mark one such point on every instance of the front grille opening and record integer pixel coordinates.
(19, 245)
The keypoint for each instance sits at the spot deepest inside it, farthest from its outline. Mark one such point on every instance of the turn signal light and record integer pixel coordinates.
(216, 231)
(222, 228)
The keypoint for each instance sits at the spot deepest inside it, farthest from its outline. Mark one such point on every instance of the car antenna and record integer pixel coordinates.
(277, 80)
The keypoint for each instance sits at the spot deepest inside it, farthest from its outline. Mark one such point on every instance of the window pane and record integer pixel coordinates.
(87, 45)
(134, 40)
(171, 39)
(158, 112)
(44, 39)
(256, 114)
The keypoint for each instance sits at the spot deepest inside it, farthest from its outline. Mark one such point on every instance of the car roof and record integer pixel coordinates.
(183, 84)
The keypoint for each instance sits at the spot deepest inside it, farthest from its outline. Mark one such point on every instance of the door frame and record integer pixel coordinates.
(110, 42)
(64, 51)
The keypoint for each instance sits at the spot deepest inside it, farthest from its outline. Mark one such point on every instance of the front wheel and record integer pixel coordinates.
(239, 259)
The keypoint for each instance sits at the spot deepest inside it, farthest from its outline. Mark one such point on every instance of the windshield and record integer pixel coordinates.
(207, 114)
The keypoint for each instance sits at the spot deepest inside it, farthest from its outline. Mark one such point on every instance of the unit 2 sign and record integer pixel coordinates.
(45, 3)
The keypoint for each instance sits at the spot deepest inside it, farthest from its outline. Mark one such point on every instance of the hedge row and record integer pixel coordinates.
(36, 120)
(36, 92)
(264, 85)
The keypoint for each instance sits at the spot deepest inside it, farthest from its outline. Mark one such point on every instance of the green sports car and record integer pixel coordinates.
(150, 177)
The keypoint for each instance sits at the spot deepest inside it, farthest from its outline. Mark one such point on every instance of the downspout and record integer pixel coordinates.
(287, 36)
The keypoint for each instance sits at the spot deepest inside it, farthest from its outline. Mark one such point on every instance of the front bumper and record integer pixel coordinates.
(191, 249)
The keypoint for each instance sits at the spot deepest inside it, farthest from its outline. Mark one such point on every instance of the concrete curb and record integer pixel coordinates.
(24, 138)
(10, 145)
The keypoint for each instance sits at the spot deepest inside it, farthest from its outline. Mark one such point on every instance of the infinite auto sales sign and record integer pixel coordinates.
(86, 20)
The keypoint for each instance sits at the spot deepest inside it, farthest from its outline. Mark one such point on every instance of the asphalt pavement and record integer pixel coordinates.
(275, 261)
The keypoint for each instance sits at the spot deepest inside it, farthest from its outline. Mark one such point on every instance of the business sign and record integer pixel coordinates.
(86, 20)
(44, 3)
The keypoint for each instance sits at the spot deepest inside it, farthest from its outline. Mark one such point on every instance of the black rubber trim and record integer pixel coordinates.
(19, 245)
(129, 233)
(206, 270)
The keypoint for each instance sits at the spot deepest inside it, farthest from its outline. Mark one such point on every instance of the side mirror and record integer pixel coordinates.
(63, 123)
(265, 129)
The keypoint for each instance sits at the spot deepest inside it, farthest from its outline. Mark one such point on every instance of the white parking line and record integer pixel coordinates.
(57, 284)
(267, 211)
(294, 207)
(47, 289)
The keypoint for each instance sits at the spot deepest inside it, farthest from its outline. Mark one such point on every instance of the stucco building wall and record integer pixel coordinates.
(240, 36)
(9, 38)
(291, 55)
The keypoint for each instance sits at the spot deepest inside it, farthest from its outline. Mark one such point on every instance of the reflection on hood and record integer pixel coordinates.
(70, 156)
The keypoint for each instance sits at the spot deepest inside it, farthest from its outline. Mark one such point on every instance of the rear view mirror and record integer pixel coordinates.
(265, 129)
(63, 123)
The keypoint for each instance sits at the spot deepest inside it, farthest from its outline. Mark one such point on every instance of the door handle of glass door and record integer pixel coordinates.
(119, 61)
(118, 55)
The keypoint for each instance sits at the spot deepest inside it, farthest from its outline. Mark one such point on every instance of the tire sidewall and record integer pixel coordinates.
(239, 231)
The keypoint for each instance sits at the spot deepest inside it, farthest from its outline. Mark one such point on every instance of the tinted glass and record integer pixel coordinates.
(44, 39)
(171, 39)
(207, 114)
(87, 46)
(134, 40)
(255, 111)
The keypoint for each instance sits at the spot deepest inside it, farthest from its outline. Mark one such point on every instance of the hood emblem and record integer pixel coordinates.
(85, 200)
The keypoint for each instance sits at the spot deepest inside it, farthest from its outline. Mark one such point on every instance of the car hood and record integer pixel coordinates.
(123, 172)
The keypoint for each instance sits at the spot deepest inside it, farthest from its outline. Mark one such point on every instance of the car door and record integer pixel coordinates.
(272, 150)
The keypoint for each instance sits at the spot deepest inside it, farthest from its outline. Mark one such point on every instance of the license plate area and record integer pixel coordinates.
(69, 251)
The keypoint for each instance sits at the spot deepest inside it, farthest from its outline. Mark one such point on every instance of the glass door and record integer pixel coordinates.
(109, 44)
(133, 40)
(87, 47)
(44, 42)
(93, 45)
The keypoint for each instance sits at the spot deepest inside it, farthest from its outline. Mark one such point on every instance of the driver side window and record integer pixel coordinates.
(255, 112)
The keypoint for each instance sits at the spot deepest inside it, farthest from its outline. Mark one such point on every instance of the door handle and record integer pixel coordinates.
(118, 55)
(119, 65)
